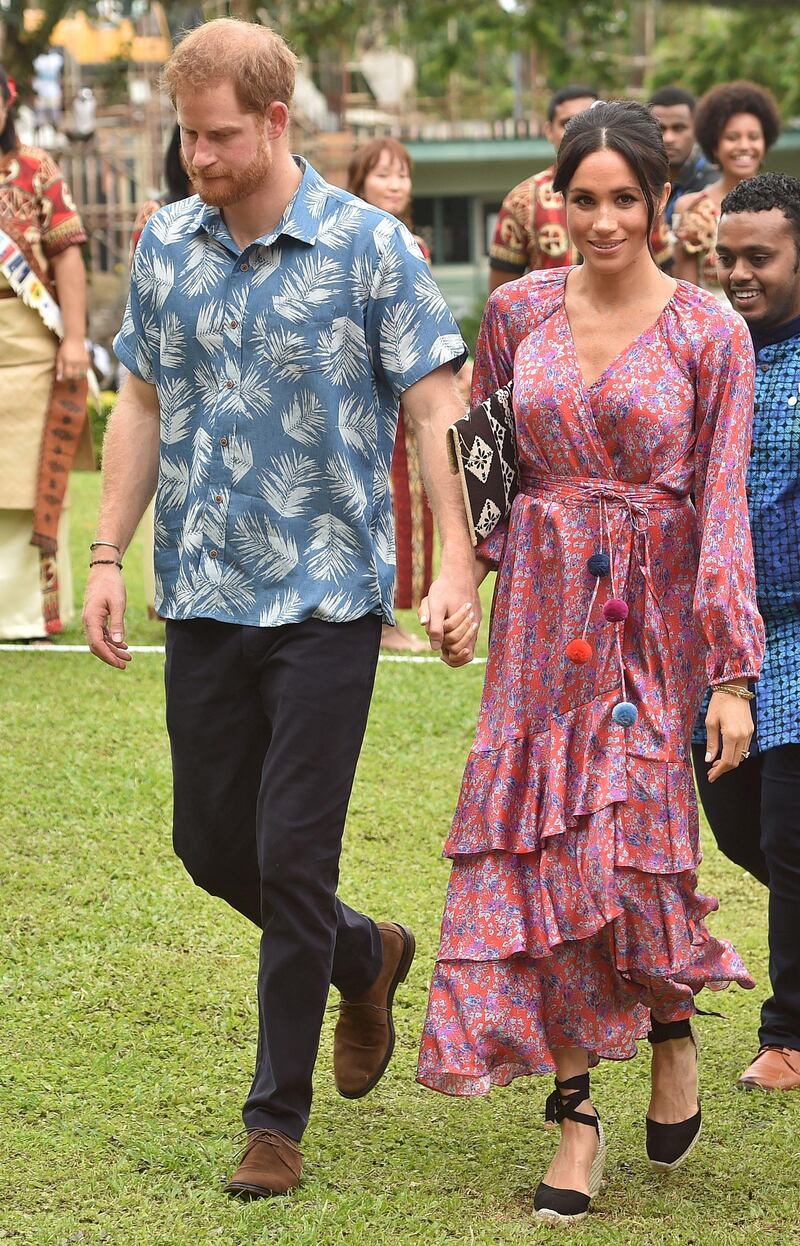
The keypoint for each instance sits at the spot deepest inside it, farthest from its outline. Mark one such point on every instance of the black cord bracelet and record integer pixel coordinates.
(106, 562)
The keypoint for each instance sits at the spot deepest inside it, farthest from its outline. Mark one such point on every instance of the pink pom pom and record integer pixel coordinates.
(579, 651)
(615, 610)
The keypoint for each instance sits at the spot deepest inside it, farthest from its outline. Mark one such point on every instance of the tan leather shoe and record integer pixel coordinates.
(363, 1041)
(270, 1164)
(774, 1068)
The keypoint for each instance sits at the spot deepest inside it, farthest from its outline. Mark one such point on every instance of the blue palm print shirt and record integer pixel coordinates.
(279, 371)
(773, 492)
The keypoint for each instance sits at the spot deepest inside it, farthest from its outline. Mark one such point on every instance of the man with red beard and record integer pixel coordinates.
(274, 323)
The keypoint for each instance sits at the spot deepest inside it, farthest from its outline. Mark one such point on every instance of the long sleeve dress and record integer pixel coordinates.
(572, 908)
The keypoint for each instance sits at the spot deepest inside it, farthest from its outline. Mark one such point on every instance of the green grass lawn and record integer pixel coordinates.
(128, 1018)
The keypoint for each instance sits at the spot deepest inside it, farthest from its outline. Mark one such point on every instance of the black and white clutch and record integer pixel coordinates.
(482, 448)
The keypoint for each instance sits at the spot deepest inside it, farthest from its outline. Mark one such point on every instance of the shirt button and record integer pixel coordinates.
(234, 324)
(218, 497)
(223, 441)
(230, 384)
(213, 553)
(764, 367)
(244, 267)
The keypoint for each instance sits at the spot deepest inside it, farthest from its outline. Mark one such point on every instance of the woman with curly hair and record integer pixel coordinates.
(736, 124)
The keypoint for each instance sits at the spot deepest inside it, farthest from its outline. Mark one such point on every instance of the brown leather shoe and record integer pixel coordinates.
(363, 1041)
(270, 1164)
(774, 1068)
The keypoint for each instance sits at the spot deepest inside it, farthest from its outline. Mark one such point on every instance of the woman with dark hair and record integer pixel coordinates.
(735, 124)
(573, 928)
(177, 185)
(380, 173)
(43, 368)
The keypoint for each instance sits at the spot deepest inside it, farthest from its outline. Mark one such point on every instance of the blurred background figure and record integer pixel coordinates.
(689, 170)
(42, 382)
(177, 187)
(531, 230)
(380, 173)
(736, 124)
(176, 182)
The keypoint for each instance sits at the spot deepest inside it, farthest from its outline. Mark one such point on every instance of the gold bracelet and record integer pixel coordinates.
(735, 691)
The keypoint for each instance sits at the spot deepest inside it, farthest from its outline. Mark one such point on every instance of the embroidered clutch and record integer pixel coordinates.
(482, 448)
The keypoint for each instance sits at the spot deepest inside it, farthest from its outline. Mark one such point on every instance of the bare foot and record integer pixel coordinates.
(673, 1076)
(397, 640)
(572, 1162)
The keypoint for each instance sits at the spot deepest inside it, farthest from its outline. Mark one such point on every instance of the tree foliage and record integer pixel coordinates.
(710, 43)
(19, 46)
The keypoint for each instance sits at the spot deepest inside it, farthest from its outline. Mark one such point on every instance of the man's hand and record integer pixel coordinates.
(728, 717)
(104, 616)
(451, 615)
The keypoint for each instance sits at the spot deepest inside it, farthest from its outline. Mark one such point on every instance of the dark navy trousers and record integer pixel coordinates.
(265, 728)
(754, 813)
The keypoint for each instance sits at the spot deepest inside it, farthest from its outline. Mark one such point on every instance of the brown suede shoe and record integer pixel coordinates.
(271, 1164)
(774, 1068)
(363, 1041)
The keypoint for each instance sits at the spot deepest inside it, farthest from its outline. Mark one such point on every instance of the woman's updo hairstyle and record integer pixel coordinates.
(632, 132)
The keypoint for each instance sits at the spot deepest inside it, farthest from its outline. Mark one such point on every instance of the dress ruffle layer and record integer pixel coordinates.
(565, 926)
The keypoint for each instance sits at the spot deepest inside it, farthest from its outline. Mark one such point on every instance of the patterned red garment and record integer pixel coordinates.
(572, 907)
(35, 201)
(413, 518)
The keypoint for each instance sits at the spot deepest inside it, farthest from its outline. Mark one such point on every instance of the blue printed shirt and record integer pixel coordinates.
(279, 371)
(773, 492)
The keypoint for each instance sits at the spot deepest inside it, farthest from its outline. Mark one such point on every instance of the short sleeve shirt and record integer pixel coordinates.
(279, 371)
(36, 202)
(531, 231)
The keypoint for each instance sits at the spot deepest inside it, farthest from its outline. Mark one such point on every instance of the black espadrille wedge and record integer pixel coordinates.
(557, 1206)
(669, 1145)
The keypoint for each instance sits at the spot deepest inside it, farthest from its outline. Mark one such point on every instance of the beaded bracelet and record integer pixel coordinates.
(735, 691)
(110, 544)
(106, 562)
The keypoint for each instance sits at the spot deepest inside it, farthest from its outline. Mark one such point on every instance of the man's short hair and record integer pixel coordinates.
(252, 57)
(575, 91)
(765, 192)
(673, 97)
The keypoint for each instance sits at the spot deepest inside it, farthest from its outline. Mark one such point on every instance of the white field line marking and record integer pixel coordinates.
(34, 648)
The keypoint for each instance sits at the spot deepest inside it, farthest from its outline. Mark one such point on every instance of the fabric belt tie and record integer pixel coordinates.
(634, 503)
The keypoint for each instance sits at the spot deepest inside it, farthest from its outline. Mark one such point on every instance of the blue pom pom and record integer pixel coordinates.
(624, 714)
(599, 565)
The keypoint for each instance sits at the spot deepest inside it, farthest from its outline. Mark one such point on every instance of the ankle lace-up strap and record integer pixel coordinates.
(560, 1106)
(664, 1031)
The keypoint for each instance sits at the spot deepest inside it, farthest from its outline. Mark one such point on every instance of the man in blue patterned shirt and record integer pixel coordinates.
(273, 324)
(754, 812)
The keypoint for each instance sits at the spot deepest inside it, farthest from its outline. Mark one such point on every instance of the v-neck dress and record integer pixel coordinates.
(572, 908)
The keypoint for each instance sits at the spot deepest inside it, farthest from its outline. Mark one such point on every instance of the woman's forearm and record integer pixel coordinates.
(70, 279)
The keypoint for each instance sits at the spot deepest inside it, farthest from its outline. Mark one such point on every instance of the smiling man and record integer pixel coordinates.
(755, 811)
(273, 324)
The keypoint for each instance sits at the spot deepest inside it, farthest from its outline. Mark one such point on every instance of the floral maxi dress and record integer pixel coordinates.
(572, 909)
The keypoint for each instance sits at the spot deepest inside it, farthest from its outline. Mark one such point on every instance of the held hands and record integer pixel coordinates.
(729, 722)
(104, 615)
(451, 615)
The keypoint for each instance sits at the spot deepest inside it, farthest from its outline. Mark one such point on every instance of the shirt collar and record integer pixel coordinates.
(301, 217)
(781, 333)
